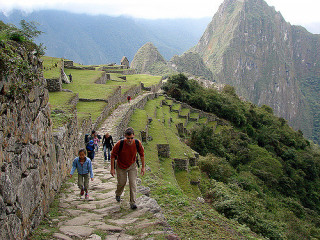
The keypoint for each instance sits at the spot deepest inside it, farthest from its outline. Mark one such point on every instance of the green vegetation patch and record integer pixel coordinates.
(51, 67)
(93, 108)
(147, 80)
(61, 109)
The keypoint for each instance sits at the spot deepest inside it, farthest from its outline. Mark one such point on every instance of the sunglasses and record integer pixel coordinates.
(129, 137)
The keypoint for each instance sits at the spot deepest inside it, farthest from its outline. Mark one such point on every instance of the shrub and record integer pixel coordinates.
(216, 168)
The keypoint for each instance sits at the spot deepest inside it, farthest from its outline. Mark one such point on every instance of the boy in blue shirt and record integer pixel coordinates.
(84, 167)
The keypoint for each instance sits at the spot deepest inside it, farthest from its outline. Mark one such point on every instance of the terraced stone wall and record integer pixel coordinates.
(123, 124)
(34, 159)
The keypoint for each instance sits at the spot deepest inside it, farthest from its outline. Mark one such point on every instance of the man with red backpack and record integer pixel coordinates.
(125, 151)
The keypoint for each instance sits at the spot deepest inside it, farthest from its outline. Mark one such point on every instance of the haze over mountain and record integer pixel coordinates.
(100, 39)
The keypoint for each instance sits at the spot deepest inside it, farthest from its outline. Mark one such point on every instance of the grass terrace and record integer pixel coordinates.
(61, 110)
(83, 83)
(51, 67)
(184, 111)
(93, 108)
(147, 80)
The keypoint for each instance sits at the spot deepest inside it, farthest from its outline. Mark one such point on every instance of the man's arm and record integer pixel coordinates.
(112, 170)
(143, 167)
(114, 154)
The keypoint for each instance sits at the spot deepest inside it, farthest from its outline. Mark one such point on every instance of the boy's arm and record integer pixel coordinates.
(90, 170)
(74, 166)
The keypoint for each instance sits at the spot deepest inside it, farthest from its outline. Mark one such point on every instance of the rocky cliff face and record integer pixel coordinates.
(192, 64)
(34, 160)
(250, 46)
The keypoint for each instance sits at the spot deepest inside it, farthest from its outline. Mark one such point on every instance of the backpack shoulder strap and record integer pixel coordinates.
(121, 145)
(137, 144)
(136, 141)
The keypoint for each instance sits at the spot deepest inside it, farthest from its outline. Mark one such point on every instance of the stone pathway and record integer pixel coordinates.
(102, 217)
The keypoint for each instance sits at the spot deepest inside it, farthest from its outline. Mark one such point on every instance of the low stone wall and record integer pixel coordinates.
(210, 116)
(54, 84)
(181, 164)
(154, 88)
(67, 63)
(133, 91)
(125, 120)
(85, 127)
(103, 79)
(129, 72)
(163, 150)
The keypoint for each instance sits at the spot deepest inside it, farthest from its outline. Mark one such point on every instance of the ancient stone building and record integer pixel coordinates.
(125, 62)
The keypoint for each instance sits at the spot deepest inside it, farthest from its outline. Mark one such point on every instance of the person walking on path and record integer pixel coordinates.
(126, 165)
(96, 141)
(84, 167)
(129, 98)
(90, 149)
(107, 143)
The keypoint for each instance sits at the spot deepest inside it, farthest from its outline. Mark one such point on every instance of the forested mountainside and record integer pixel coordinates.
(102, 39)
(250, 46)
(255, 168)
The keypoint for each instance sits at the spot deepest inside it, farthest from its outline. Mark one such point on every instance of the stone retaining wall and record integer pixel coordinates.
(54, 84)
(34, 159)
(181, 164)
(210, 116)
(154, 88)
(103, 79)
(125, 120)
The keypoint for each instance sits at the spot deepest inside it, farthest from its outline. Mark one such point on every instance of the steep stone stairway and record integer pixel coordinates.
(102, 217)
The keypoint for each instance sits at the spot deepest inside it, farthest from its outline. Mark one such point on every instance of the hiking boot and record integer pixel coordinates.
(118, 198)
(87, 196)
(133, 206)
(82, 192)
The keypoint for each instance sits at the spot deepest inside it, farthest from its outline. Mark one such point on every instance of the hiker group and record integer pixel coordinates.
(122, 157)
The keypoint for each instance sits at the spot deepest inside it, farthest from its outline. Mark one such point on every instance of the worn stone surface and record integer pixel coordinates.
(94, 237)
(77, 231)
(149, 203)
(61, 236)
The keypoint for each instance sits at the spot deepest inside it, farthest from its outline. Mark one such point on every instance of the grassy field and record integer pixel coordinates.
(51, 67)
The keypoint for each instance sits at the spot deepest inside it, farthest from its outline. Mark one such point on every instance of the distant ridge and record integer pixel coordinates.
(101, 39)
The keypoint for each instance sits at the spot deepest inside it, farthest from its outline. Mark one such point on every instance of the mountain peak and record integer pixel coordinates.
(146, 57)
(249, 45)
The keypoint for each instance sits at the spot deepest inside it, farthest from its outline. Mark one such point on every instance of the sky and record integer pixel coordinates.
(296, 12)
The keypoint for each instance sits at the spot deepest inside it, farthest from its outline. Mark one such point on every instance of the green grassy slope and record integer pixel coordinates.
(189, 218)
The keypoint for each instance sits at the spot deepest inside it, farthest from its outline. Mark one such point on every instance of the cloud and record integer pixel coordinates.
(138, 8)
(294, 11)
